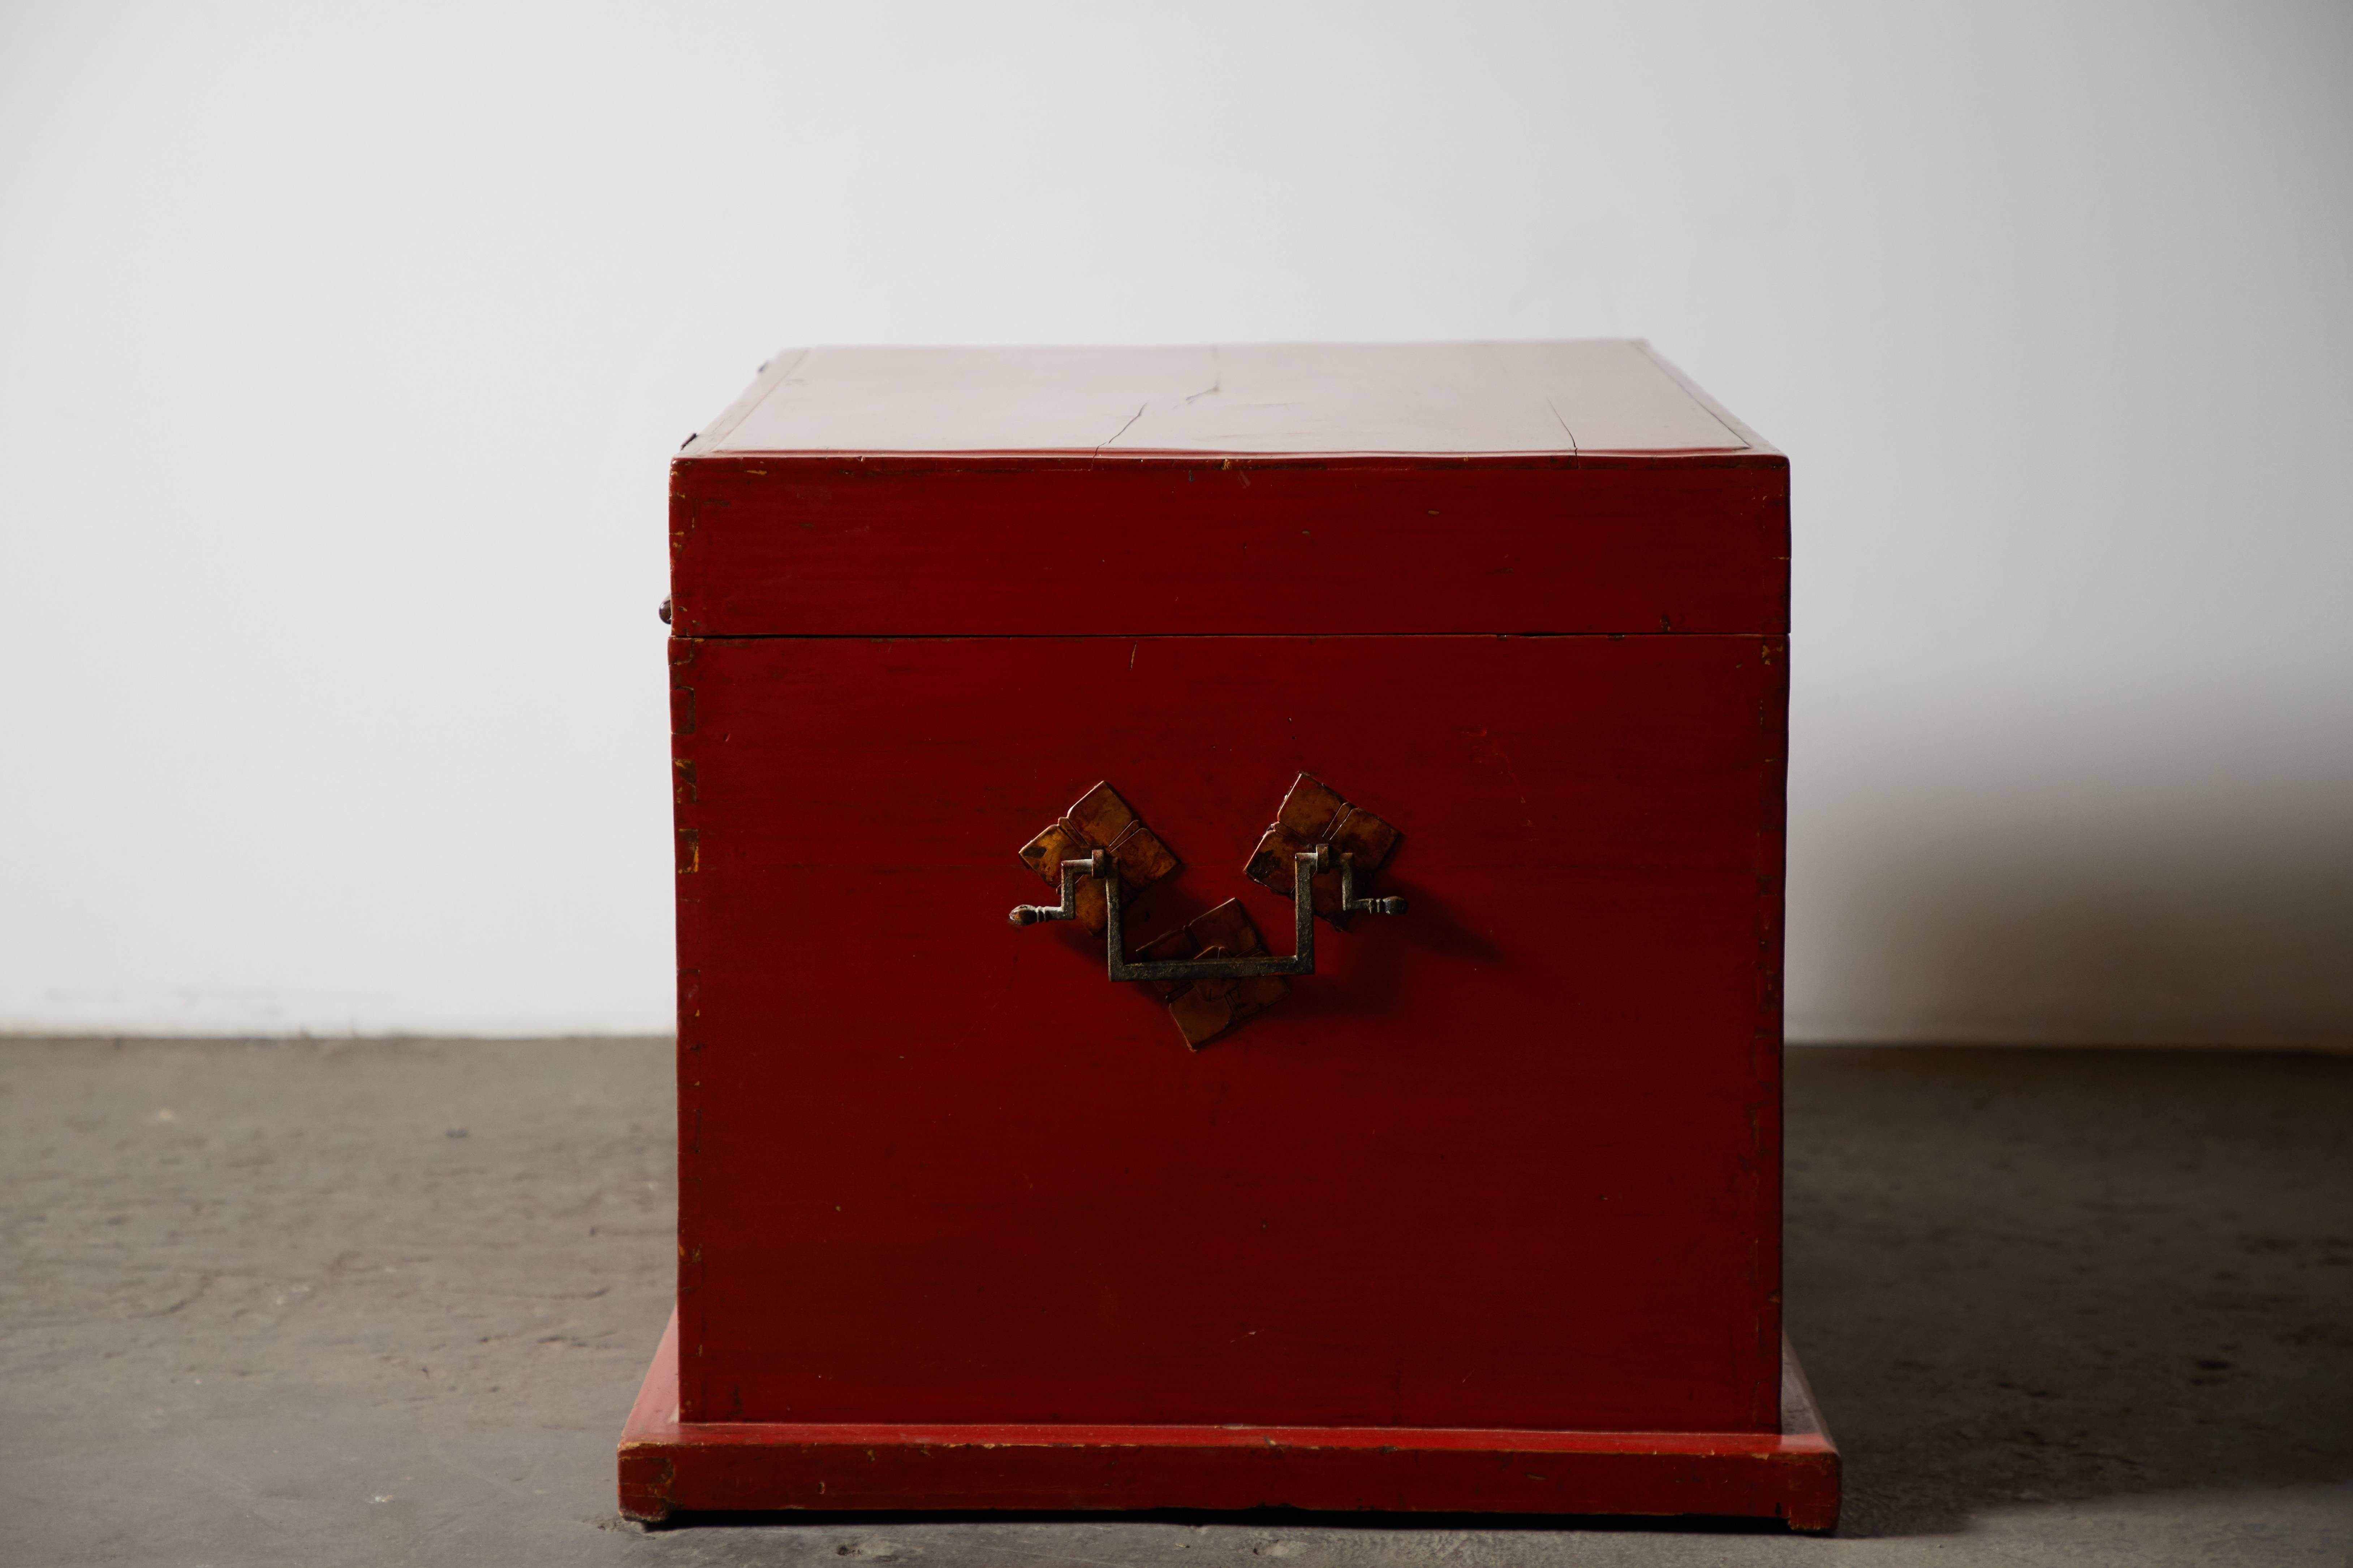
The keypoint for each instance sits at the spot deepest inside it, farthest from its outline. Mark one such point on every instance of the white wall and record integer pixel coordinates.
(340, 348)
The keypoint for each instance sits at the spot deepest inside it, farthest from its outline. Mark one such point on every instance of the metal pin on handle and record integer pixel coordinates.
(1351, 904)
(1097, 865)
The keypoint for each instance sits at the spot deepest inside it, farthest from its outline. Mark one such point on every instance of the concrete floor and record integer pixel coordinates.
(382, 1301)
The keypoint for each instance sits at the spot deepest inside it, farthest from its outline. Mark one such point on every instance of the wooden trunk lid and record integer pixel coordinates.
(1552, 488)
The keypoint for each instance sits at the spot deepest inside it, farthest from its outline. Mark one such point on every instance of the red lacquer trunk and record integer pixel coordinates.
(1496, 1183)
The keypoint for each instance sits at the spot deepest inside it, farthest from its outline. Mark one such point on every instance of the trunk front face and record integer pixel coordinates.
(1510, 1160)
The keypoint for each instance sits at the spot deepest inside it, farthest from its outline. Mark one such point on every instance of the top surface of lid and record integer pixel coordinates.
(1589, 396)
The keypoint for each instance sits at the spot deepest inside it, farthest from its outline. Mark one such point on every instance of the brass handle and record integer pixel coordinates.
(1304, 868)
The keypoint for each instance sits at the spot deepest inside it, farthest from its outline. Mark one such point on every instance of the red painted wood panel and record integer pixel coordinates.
(667, 1466)
(843, 546)
(1509, 1161)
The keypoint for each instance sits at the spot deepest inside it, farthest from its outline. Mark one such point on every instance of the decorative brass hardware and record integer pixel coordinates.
(1099, 821)
(1305, 866)
(1314, 814)
(1203, 1010)
(1098, 866)
(1226, 973)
